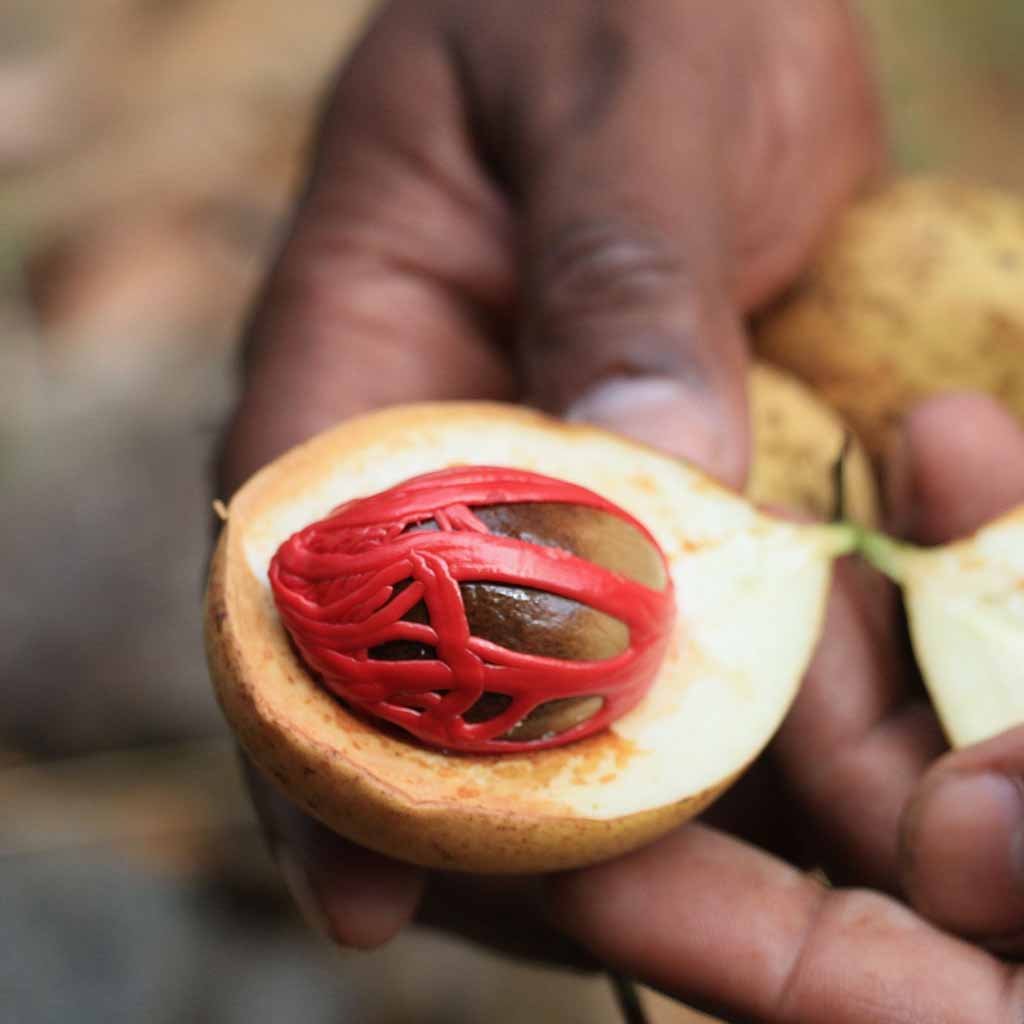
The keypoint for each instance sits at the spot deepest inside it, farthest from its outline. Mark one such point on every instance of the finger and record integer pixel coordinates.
(654, 171)
(720, 924)
(397, 274)
(962, 464)
(504, 914)
(629, 321)
(963, 848)
(351, 896)
(853, 745)
(957, 463)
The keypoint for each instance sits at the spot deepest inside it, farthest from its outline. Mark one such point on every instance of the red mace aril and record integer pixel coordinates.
(481, 609)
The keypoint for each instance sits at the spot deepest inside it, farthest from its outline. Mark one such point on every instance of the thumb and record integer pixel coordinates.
(622, 336)
(628, 309)
(673, 165)
(629, 323)
(961, 465)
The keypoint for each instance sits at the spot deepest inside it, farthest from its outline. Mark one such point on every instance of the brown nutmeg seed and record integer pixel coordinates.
(541, 623)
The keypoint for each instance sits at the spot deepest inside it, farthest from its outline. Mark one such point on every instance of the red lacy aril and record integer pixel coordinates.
(375, 599)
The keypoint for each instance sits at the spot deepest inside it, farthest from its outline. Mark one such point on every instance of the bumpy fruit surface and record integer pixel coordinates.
(919, 290)
(796, 441)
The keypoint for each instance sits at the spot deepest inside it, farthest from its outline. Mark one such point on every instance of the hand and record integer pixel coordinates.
(718, 922)
(573, 206)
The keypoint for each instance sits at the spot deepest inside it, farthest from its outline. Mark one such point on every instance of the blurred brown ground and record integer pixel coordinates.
(148, 153)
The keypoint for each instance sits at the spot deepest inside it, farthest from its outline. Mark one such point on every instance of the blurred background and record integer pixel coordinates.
(149, 150)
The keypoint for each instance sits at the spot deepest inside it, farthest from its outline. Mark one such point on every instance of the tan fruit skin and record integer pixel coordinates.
(796, 441)
(480, 832)
(919, 290)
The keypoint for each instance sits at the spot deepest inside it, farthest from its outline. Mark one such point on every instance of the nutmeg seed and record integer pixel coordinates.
(541, 623)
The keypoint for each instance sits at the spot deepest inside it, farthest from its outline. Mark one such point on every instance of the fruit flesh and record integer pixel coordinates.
(965, 603)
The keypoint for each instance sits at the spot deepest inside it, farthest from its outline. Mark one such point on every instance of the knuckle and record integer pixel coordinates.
(611, 302)
(840, 920)
(597, 271)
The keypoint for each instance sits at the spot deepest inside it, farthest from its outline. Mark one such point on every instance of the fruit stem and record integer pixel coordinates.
(627, 997)
(885, 554)
(839, 480)
(840, 538)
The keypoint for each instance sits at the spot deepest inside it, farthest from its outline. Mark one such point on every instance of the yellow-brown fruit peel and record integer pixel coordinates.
(918, 290)
(796, 441)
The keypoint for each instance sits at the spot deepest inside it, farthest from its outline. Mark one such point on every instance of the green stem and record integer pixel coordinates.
(841, 538)
(885, 554)
(839, 480)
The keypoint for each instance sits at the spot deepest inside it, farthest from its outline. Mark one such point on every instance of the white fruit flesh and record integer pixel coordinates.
(965, 603)
(750, 592)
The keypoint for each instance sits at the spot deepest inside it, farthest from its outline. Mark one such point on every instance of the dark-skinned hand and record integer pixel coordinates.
(576, 205)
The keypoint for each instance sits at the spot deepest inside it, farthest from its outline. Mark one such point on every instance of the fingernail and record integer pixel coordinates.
(899, 484)
(663, 413)
(303, 892)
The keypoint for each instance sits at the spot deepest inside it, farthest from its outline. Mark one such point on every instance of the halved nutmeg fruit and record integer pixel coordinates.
(476, 638)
